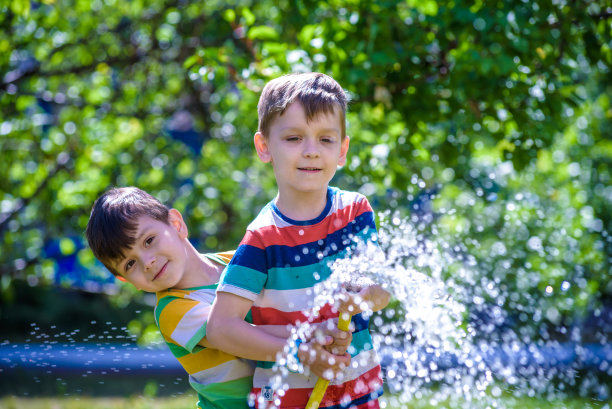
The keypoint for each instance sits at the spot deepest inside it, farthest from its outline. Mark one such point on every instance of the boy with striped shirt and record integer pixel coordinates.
(287, 249)
(143, 242)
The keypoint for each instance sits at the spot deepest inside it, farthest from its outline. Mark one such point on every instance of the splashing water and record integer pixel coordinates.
(447, 337)
(453, 336)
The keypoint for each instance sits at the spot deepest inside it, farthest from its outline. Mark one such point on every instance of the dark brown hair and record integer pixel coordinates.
(318, 93)
(114, 221)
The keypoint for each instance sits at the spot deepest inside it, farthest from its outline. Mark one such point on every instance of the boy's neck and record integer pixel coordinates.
(301, 205)
(200, 270)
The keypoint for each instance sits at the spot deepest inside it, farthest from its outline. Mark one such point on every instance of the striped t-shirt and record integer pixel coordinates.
(221, 380)
(278, 263)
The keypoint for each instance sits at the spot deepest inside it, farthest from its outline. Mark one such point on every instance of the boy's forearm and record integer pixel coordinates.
(280, 331)
(237, 337)
(227, 331)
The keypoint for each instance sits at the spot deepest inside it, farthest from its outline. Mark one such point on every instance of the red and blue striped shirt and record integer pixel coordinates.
(277, 265)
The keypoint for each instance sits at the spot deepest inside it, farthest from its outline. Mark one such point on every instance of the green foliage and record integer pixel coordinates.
(504, 105)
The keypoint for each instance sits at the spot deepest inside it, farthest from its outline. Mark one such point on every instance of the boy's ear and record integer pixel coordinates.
(176, 220)
(344, 147)
(261, 146)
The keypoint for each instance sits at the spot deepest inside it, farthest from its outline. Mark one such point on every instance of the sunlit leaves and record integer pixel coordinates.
(262, 33)
(500, 107)
(21, 7)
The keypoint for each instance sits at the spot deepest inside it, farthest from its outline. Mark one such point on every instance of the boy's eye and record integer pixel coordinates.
(292, 138)
(327, 139)
(129, 265)
(149, 241)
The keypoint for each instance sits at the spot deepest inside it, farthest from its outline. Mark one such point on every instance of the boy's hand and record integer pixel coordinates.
(341, 339)
(320, 362)
(353, 302)
(355, 299)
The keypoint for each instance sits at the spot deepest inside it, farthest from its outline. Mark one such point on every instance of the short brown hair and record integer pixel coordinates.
(316, 92)
(114, 221)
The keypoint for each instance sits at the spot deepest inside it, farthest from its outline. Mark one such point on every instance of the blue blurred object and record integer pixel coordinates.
(181, 127)
(88, 357)
(69, 270)
(117, 358)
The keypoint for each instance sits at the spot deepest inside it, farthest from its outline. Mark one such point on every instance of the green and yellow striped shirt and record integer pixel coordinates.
(221, 380)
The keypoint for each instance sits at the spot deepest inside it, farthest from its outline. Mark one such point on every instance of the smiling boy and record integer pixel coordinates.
(287, 249)
(146, 244)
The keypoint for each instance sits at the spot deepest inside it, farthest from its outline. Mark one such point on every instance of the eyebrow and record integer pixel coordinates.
(142, 234)
(136, 240)
(333, 130)
(297, 129)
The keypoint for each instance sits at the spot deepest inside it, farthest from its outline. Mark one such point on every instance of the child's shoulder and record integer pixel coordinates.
(266, 217)
(343, 198)
(205, 294)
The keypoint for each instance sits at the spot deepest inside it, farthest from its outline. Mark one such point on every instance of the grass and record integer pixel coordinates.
(136, 402)
(188, 401)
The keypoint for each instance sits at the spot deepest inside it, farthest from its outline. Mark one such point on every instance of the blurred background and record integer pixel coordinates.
(492, 120)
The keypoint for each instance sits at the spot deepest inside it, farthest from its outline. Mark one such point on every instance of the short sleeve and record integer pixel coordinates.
(247, 272)
(183, 321)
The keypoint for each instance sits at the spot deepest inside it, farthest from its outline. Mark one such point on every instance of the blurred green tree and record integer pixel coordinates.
(499, 109)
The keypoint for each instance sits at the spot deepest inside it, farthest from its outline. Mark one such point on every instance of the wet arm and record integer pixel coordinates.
(227, 330)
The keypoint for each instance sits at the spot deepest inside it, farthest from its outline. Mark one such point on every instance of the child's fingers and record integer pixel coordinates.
(324, 364)
(343, 338)
(342, 361)
(341, 343)
(327, 340)
(341, 335)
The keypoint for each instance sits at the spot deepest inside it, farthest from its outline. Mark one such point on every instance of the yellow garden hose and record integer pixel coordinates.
(321, 386)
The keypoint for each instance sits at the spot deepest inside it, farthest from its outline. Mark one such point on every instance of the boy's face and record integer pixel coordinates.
(157, 260)
(304, 155)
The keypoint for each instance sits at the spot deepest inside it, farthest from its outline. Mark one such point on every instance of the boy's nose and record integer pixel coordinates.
(311, 149)
(149, 262)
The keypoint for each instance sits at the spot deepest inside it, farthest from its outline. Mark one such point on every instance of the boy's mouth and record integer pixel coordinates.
(310, 169)
(160, 272)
